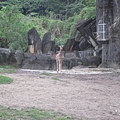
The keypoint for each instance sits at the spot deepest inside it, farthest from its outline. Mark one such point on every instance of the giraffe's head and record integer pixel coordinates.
(61, 47)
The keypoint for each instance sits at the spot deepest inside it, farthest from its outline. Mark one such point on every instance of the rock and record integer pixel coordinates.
(46, 37)
(48, 46)
(13, 60)
(5, 56)
(70, 60)
(76, 46)
(86, 29)
(91, 61)
(34, 39)
(69, 44)
(69, 63)
(42, 62)
(48, 62)
(84, 44)
(19, 56)
(29, 56)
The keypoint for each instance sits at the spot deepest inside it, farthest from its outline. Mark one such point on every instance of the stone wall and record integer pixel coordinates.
(108, 12)
(114, 42)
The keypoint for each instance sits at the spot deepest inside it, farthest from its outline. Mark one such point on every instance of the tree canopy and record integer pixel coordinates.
(19, 16)
(43, 7)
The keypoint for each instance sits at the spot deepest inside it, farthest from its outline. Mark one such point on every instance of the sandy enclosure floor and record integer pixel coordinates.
(87, 94)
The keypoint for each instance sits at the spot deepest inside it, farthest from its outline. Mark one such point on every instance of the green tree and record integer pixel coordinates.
(12, 30)
(40, 14)
(88, 11)
(43, 7)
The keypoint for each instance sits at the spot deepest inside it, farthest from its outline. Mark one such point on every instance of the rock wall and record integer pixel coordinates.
(44, 61)
(114, 43)
(108, 12)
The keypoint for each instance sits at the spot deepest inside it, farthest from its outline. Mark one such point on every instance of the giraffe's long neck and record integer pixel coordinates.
(60, 53)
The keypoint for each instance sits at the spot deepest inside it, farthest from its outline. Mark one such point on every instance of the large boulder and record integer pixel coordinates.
(5, 56)
(35, 40)
(47, 44)
(46, 37)
(12, 57)
(71, 60)
(41, 62)
(19, 57)
(69, 63)
(91, 61)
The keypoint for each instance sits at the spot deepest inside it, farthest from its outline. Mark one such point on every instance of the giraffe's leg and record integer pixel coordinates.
(60, 65)
(57, 63)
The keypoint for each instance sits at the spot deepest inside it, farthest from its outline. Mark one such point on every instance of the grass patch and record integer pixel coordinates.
(103, 70)
(55, 78)
(7, 69)
(31, 114)
(45, 73)
(5, 80)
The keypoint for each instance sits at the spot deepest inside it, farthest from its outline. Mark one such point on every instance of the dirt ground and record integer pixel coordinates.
(87, 93)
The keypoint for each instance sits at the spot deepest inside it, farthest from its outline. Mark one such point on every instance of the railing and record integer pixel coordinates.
(86, 53)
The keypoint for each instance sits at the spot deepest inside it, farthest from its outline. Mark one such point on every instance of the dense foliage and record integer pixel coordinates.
(43, 7)
(19, 16)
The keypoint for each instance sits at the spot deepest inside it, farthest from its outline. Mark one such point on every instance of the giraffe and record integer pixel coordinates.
(59, 59)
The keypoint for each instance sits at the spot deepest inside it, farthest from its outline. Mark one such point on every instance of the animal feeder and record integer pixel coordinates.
(102, 32)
